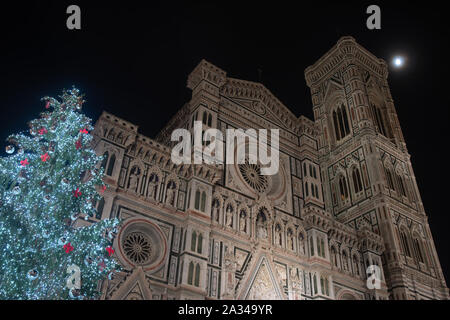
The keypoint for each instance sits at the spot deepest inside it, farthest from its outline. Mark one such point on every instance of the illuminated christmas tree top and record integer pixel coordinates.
(50, 180)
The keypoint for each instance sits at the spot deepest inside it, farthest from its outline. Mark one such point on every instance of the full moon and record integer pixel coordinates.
(398, 62)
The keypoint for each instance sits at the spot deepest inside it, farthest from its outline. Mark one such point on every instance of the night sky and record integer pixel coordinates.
(133, 58)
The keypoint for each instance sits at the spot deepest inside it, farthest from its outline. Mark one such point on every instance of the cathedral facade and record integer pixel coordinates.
(344, 200)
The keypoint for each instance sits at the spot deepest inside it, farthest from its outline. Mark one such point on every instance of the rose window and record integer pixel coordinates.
(252, 176)
(137, 247)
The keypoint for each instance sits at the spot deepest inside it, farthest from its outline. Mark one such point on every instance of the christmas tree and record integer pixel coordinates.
(51, 180)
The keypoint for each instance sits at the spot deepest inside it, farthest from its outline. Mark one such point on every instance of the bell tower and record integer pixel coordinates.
(368, 180)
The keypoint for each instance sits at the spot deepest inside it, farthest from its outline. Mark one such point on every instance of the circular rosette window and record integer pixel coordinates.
(142, 243)
(137, 247)
(251, 178)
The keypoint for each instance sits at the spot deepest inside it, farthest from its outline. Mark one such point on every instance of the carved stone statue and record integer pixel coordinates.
(229, 216)
(170, 196)
(134, 178)
(242, 222)
(261, 229)
(301, 244)
(290, 242)
(278, 235)
(152, 187)
(293, 274)
(215, 208)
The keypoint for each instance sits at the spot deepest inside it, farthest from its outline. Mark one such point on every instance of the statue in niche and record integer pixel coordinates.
(229, 216)
(170, 193)
(278, 239)
(261, 228)
(294, 273)
(134, 179)
(152, 186)
(301, 243)
(290, 240)
(215, 209)
(243, 222)
(111, 135)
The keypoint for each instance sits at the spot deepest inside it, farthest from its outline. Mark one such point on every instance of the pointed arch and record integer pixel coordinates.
(343, 188)
(209, 120)
(357, 182)
(105, 160)
(193, 241)
(197, 275)
(405, 242)
(197, 200)
(200, 243)
(112, 162)
(191, 273)
(203, 202)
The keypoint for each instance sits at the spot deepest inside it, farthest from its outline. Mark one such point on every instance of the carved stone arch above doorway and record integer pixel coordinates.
(346, 295)
(135, 287)
(261, 282)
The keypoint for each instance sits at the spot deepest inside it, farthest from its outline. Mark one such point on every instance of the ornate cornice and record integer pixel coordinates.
(236, 88)
(371, 241)
(206, 71)
(317, 218)
(346, 50)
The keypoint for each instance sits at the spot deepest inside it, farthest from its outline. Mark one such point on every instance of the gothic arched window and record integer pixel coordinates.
(209, 120)
(193, 241)
(389, 179)
(343, 190)
(357, 183)
(200, 243)
(379, 120)
(322, 243)
(203, 203)
(322, 285)
(190, 273)
(111, 164)
(418, 250)
(205, 117)
(197, 275)
(197, 200)
(405, 244)
(105, 159)
(340, 122)
(401, 185)
(311, 244)
(315, 284)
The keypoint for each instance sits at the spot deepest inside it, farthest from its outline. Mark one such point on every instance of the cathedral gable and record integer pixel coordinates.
(136, 287)
(262, 283)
